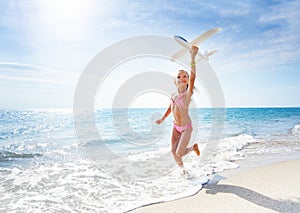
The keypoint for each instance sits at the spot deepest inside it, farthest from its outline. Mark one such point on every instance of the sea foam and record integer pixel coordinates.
(296, 130)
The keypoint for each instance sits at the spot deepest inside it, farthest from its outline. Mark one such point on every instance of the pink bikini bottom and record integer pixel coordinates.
(180, 129)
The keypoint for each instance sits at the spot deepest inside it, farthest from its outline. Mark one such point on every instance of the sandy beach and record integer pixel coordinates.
(272, 188)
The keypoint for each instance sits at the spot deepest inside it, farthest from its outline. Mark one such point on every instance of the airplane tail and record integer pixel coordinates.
(208, 54)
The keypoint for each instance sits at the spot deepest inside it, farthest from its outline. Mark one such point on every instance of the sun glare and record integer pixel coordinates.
(65, 20)
(65, 10)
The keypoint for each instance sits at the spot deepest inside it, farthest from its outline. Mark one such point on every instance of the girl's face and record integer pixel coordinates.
(182, 78)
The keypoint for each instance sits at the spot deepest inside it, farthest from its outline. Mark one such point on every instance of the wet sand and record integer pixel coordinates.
(272, 188)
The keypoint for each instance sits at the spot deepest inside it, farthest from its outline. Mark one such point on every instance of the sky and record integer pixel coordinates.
(46, 44)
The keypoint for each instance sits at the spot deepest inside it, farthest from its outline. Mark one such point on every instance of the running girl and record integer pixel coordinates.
(179, 106)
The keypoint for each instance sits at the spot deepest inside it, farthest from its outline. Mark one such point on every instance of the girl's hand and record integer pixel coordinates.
(194, 51)
(159, 121)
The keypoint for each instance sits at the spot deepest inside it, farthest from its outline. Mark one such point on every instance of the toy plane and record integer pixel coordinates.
(197, 41)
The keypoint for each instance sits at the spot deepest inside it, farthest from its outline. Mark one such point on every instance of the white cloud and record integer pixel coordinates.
(24, 85)
(272, 45)
(21, 73)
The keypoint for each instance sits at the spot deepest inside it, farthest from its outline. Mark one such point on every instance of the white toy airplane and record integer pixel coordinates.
(197, 41)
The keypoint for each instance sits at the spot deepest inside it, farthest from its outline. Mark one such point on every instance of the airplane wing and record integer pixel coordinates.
(178, 54)
(197, 41)
(204, 36)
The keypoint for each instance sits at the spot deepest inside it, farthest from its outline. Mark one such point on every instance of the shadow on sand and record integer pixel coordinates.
(254, 197)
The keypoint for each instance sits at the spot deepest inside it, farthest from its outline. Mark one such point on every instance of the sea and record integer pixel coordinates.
(46, 165)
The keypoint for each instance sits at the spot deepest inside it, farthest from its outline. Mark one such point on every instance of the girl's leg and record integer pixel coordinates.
(174, 143)
(183, 143)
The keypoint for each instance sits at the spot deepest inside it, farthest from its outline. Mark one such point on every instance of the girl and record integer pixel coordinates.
(179, 106)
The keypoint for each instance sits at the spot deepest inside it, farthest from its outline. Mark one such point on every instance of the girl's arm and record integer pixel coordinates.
(165, 116)
(193, 52)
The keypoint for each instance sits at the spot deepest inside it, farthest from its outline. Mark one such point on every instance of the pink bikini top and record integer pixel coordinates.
(178, 101)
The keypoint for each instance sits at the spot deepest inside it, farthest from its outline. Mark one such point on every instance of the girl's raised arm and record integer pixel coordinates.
(193, 52)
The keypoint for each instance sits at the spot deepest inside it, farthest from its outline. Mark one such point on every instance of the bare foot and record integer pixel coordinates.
(186, 173)
(195, 148)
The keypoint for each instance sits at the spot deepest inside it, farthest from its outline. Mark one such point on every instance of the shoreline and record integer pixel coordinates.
(266, 188)
(252, 162)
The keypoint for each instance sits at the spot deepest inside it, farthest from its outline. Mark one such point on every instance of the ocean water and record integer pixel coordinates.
(45, 167)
